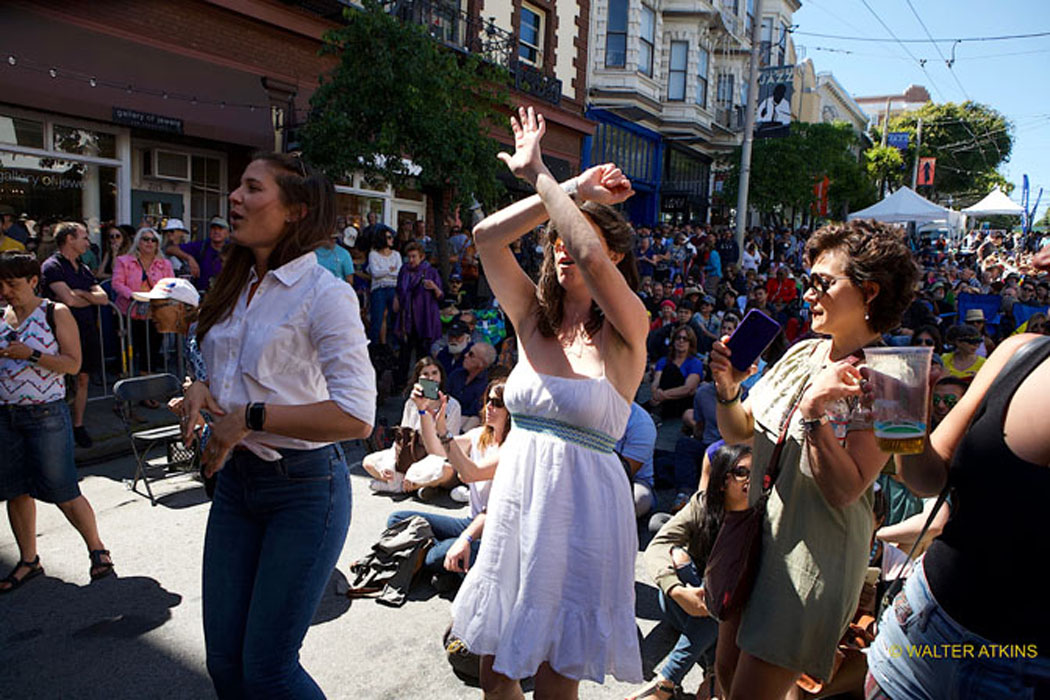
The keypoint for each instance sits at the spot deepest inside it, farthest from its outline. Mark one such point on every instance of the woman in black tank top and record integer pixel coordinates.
(973, 621)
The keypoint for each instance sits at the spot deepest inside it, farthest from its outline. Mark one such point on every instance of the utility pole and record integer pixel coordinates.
(749, 126)
(885, 138)
(915, 165)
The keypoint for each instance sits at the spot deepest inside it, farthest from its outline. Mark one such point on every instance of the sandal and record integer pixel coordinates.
(34, 570)
(656, 689)
(99, 569)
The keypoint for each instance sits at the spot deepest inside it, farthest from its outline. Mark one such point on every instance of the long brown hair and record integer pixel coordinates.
(299, 184)
(488, 433)
(618, 235)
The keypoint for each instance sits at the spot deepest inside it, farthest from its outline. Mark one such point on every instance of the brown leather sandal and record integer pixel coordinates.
(656, 689)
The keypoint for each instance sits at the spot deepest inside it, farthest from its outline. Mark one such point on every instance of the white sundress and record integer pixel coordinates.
(554, 578)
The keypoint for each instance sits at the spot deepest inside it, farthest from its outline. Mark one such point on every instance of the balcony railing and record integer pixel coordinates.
(458, 30)
(731, 118)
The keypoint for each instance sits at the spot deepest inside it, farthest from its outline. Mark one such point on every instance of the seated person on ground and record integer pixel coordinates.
(381, 465)
(635, 449)
(676, 376)
(675, 559)
(467, 383)
(473, 457)
(451, 349)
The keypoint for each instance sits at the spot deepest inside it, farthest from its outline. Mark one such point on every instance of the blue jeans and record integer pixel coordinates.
(446, 530)
(37, 455)
(379, 301)
(698, 634)
(688, 457)
(923, 654)
(275, 532)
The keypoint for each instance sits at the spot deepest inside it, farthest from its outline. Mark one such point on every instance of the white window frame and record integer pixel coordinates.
(681, 73)
(647, 42)
(703, 72)
(619, 33)
(540, 36)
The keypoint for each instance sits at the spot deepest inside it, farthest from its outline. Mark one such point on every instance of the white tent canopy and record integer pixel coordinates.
(996, 203)
(903, 206)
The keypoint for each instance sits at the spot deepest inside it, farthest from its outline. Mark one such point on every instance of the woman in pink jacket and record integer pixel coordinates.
(138, 271)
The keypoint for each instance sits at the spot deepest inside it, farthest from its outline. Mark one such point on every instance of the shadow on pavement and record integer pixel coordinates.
(60, 636)
(333, 604)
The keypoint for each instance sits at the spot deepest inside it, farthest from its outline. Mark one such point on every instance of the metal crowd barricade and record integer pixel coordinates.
(121, 337)
(129, 351)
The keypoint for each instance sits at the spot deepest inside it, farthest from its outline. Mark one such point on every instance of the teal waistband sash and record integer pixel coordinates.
(585, 437)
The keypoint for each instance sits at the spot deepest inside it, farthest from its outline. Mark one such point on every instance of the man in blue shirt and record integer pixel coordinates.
(712, 267)
(204, 258)
(635, 449)
(336, 259)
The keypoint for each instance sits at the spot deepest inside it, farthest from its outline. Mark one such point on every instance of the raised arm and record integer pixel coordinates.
(605, 184)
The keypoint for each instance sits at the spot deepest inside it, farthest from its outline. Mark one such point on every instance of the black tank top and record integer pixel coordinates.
(985, 567)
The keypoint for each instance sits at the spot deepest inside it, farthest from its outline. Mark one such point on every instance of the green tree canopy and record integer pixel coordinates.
(969, 140)
(784, 171)
(399, 98)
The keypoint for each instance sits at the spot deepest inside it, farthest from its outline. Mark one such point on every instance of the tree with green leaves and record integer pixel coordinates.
(885, 166)
(402, 108)
(969, 140)
(784, 171)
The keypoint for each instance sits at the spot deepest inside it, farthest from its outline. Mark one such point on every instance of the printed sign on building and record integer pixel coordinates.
(773, 116)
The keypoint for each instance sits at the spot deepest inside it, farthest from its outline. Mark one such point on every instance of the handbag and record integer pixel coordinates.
(733, 561)
(408, 448)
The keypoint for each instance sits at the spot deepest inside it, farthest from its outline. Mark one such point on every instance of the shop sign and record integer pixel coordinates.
(57, 181)
(145, 120)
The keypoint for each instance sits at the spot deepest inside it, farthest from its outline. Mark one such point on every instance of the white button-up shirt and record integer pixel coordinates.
(300, 341)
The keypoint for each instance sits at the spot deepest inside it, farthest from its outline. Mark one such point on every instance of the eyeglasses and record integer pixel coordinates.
(928, 341)
(115, 237)
(972, 341)
(948, 400)
(822, 285)
(682, 337)
(740, 473)
(145, 239)
(496, 402)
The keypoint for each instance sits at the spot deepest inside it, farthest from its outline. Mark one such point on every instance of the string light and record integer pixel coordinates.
(94, 81)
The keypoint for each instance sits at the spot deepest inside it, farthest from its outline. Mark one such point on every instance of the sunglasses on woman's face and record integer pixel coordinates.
(822, 285)
(682, 338)
(115, 236)
(496, 402)
(148, 240)
(927, 341)
(740, 473)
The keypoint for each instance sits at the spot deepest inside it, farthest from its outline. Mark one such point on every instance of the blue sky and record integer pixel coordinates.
(1014, 84)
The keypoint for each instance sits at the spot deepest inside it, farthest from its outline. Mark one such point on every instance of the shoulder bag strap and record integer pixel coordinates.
(774, 459)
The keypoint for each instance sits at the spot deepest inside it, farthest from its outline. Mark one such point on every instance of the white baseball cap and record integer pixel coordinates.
(174, 225)
(174, 288)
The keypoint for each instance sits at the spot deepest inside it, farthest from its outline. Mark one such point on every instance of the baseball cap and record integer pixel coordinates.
(174, 288)
(458, 328)
(217, 221)
(174, 225)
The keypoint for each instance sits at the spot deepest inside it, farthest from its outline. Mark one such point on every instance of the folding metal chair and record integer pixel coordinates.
(158, 387)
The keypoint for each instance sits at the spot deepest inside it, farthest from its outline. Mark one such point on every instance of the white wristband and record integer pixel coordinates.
(571, 188)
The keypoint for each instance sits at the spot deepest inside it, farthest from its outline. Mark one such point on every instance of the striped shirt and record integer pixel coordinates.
(22, 383)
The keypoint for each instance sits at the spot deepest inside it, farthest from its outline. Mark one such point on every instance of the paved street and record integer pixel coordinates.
(139, 635)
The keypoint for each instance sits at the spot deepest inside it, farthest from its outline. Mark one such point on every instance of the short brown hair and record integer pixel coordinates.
(874, 253)
(64, 230)
(415, 246)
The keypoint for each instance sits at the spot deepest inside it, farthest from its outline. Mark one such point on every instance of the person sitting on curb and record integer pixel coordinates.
(473, 457)
(635, 450)
(467, 384)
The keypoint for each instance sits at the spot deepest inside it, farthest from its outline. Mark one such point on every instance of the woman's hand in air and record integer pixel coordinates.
(605, 184)
(527, 161)
(422, 403)
(727, 377)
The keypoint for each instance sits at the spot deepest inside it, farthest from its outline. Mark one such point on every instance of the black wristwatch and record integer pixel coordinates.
(255, 415)
(34, 357)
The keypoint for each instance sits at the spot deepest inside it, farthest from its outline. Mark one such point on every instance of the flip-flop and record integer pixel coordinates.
(97, 563)
(34, 570)
(654, 688)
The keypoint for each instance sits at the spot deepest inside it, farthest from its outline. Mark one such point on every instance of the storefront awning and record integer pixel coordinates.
(130, 79)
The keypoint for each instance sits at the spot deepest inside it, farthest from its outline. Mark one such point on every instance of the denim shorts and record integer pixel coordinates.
(921, 653)
(36, 456)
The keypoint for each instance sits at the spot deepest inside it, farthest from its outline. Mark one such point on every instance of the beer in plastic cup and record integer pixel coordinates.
(900, 382)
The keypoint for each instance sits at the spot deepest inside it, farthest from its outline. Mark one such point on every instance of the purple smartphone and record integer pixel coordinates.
(751, 338)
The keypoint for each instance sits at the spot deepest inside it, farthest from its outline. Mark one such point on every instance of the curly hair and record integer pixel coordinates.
(618, 235)
(874, 253)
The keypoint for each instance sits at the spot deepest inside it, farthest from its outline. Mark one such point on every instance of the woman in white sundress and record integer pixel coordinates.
(552, 591)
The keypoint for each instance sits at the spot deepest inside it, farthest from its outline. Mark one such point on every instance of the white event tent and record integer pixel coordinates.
(904, 206)
(996, 203)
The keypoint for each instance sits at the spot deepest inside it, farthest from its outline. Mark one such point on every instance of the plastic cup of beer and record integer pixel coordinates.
(900, 383)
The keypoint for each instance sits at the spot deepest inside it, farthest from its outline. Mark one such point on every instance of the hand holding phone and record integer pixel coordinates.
(751, 338)
(430, 388)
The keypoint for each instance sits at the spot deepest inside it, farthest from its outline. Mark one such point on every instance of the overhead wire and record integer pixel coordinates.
(922, 41)
(922, 64)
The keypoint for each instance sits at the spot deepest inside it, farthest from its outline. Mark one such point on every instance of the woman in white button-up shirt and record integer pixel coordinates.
(289, 377)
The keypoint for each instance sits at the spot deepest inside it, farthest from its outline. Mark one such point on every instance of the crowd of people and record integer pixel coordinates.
(536, 378)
